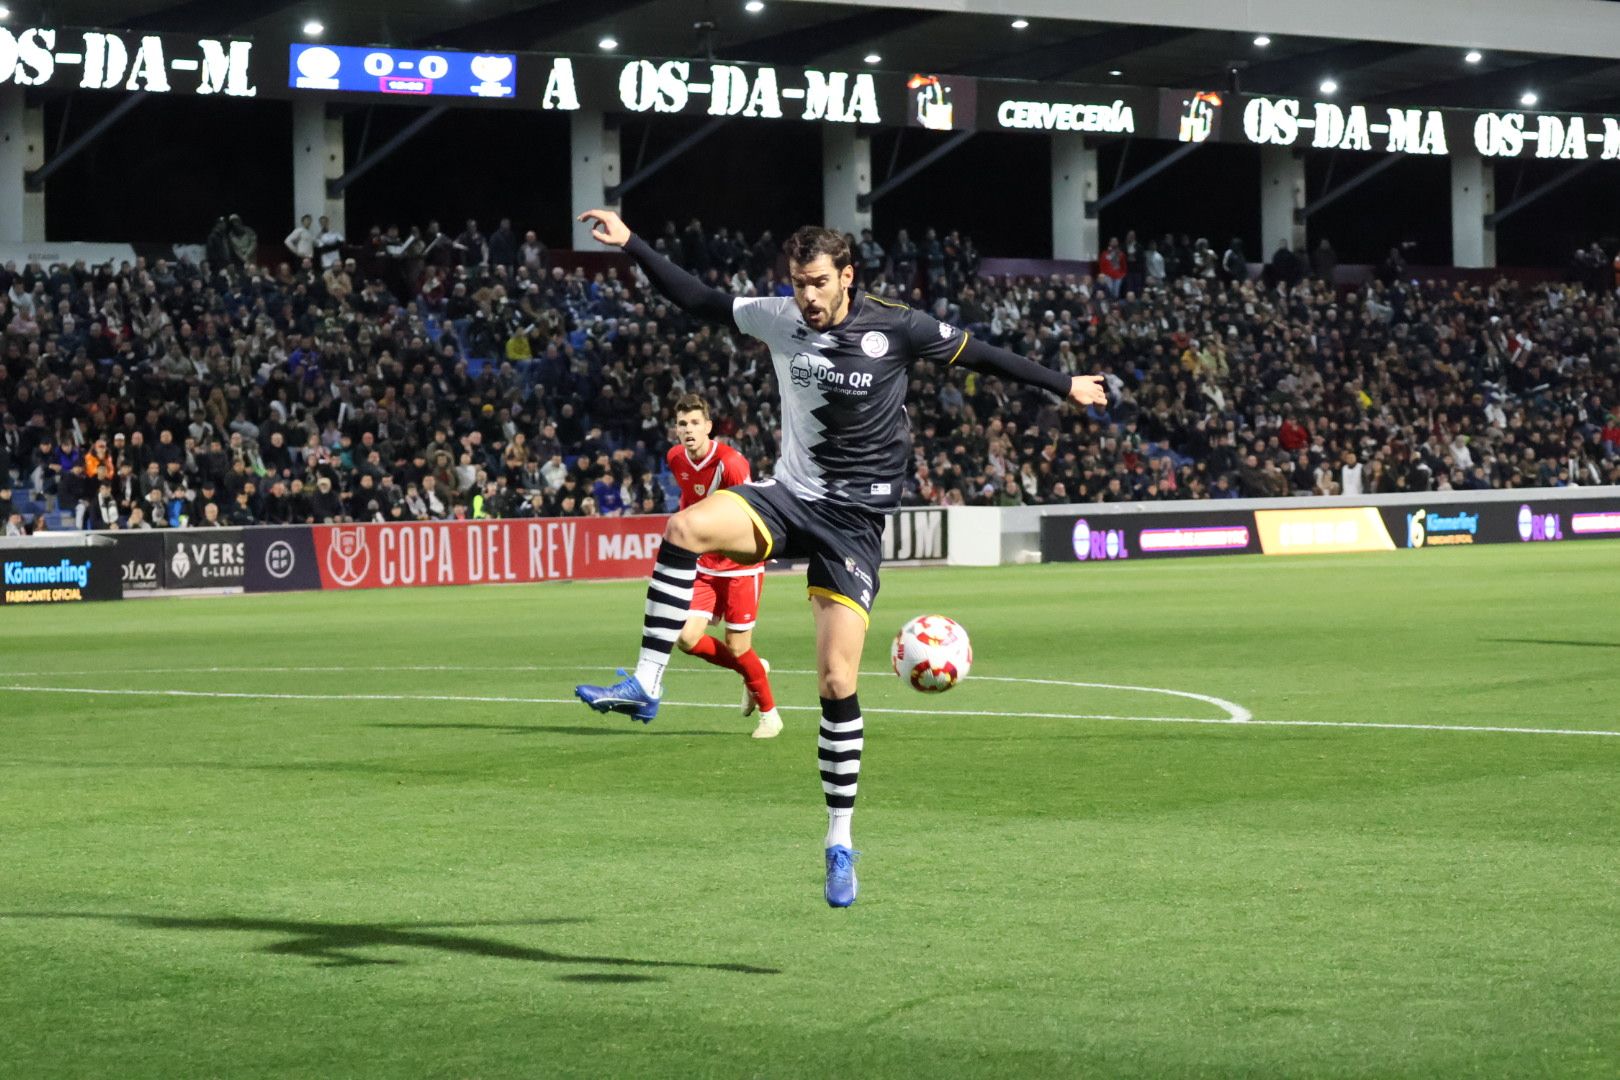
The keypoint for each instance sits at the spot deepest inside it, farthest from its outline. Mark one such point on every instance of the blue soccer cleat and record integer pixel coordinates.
(625, 696)
(840, 876)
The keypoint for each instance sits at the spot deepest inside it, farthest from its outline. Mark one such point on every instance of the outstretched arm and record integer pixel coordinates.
(686, 291)
(1083, 390)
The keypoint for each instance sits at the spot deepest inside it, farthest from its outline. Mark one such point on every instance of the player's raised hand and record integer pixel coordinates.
(1088, 390)
(608, 227)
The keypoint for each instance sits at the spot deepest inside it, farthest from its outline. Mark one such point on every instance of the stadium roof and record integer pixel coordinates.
(1565, 51)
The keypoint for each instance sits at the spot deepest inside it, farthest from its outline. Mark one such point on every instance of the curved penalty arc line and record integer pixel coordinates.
(1234, 712)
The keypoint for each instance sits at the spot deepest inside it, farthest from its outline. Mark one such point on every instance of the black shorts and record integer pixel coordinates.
(844, 544)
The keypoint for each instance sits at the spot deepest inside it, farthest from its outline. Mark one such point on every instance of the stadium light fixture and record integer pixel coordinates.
(1261, 41)
(314, 28)
(5, 13)
(873, 58)
(1020, 24)
(1473, 56)
(754, 7)
(1328, 87)
(1115, 72)
(1528, 98)
(608, 44)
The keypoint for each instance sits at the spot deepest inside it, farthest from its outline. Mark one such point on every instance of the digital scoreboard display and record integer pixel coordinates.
(409, 72)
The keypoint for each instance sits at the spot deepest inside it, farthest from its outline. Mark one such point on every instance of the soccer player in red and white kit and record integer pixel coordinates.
(725, 592)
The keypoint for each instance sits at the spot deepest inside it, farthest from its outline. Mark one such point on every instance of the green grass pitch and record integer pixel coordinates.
(380, 840)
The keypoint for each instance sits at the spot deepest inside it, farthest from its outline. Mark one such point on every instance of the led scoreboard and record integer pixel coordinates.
(402, 71)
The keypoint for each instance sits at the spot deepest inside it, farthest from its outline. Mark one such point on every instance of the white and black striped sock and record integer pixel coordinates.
(669, 597)
(838, 750)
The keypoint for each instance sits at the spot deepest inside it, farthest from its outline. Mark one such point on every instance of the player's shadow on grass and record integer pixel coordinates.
(335, 944)
(554, 729)
(1552, 641)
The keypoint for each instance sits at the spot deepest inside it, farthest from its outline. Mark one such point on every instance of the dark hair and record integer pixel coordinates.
(692, 403)
(812, 241)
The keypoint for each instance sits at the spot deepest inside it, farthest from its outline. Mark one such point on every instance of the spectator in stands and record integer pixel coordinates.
(1111, 267)
(503, 245)
(1284, 268)
(303, 239)
(1324, 261)
(325, 505)
(1234, 265)
(242, 241)
(471, 245)
(1350, 475)
(533, 255)
(1135, 266)
(241, 512)
(906, 256)
(870, 257)
(328, 244)
(1393, 268)
(1154, 267)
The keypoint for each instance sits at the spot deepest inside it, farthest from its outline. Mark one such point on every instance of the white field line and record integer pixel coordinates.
(1234, 712)
(249, 695)
(1228, 721)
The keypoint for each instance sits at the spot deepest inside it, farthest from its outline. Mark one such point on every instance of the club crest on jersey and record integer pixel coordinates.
(700, 488)
(945, 331)
(875, 344)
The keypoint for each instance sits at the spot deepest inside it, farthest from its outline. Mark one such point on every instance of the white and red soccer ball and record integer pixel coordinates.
(931, 653)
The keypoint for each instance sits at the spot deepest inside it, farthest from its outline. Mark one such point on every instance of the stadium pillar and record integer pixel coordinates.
(1075, 229)
(317, 158)
(846, 175)
(595, 169)
(1473, 197)
(1282, 200)
(22, 148)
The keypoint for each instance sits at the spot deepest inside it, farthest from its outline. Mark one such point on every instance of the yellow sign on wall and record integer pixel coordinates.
(1323, 531)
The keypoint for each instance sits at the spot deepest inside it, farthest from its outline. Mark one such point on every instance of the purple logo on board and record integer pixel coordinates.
(1534, 526)
(1103, 544)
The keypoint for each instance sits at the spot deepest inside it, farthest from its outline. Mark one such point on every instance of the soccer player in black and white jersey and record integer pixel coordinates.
(842, 360)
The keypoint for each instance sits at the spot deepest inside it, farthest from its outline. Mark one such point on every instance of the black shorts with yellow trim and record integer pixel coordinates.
(844, 544)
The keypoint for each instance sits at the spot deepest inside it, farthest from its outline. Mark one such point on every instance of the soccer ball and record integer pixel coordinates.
(931, 653)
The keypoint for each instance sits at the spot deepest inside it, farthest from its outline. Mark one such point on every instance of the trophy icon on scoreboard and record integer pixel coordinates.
(318, 68)
(933, 100)
(493, 71)
(1198, 117)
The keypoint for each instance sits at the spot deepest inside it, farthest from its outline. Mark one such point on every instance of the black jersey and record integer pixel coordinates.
(845, 433)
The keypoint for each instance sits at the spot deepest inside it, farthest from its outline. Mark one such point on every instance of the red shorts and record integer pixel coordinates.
(730, 600)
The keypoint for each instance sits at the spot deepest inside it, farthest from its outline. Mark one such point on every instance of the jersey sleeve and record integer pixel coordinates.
(737, 470)
(670, 459)
(765, 317)
(931, 339)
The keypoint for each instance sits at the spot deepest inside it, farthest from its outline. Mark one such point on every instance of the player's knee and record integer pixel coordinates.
(690, 634)
(682, 532)
(837, 681)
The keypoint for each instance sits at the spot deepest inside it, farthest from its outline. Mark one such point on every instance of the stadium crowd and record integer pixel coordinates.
(419, 376)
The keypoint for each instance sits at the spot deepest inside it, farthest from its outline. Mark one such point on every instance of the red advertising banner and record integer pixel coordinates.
(483, 552)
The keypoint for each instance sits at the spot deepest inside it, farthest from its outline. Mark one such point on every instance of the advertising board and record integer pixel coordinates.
(59, 575)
